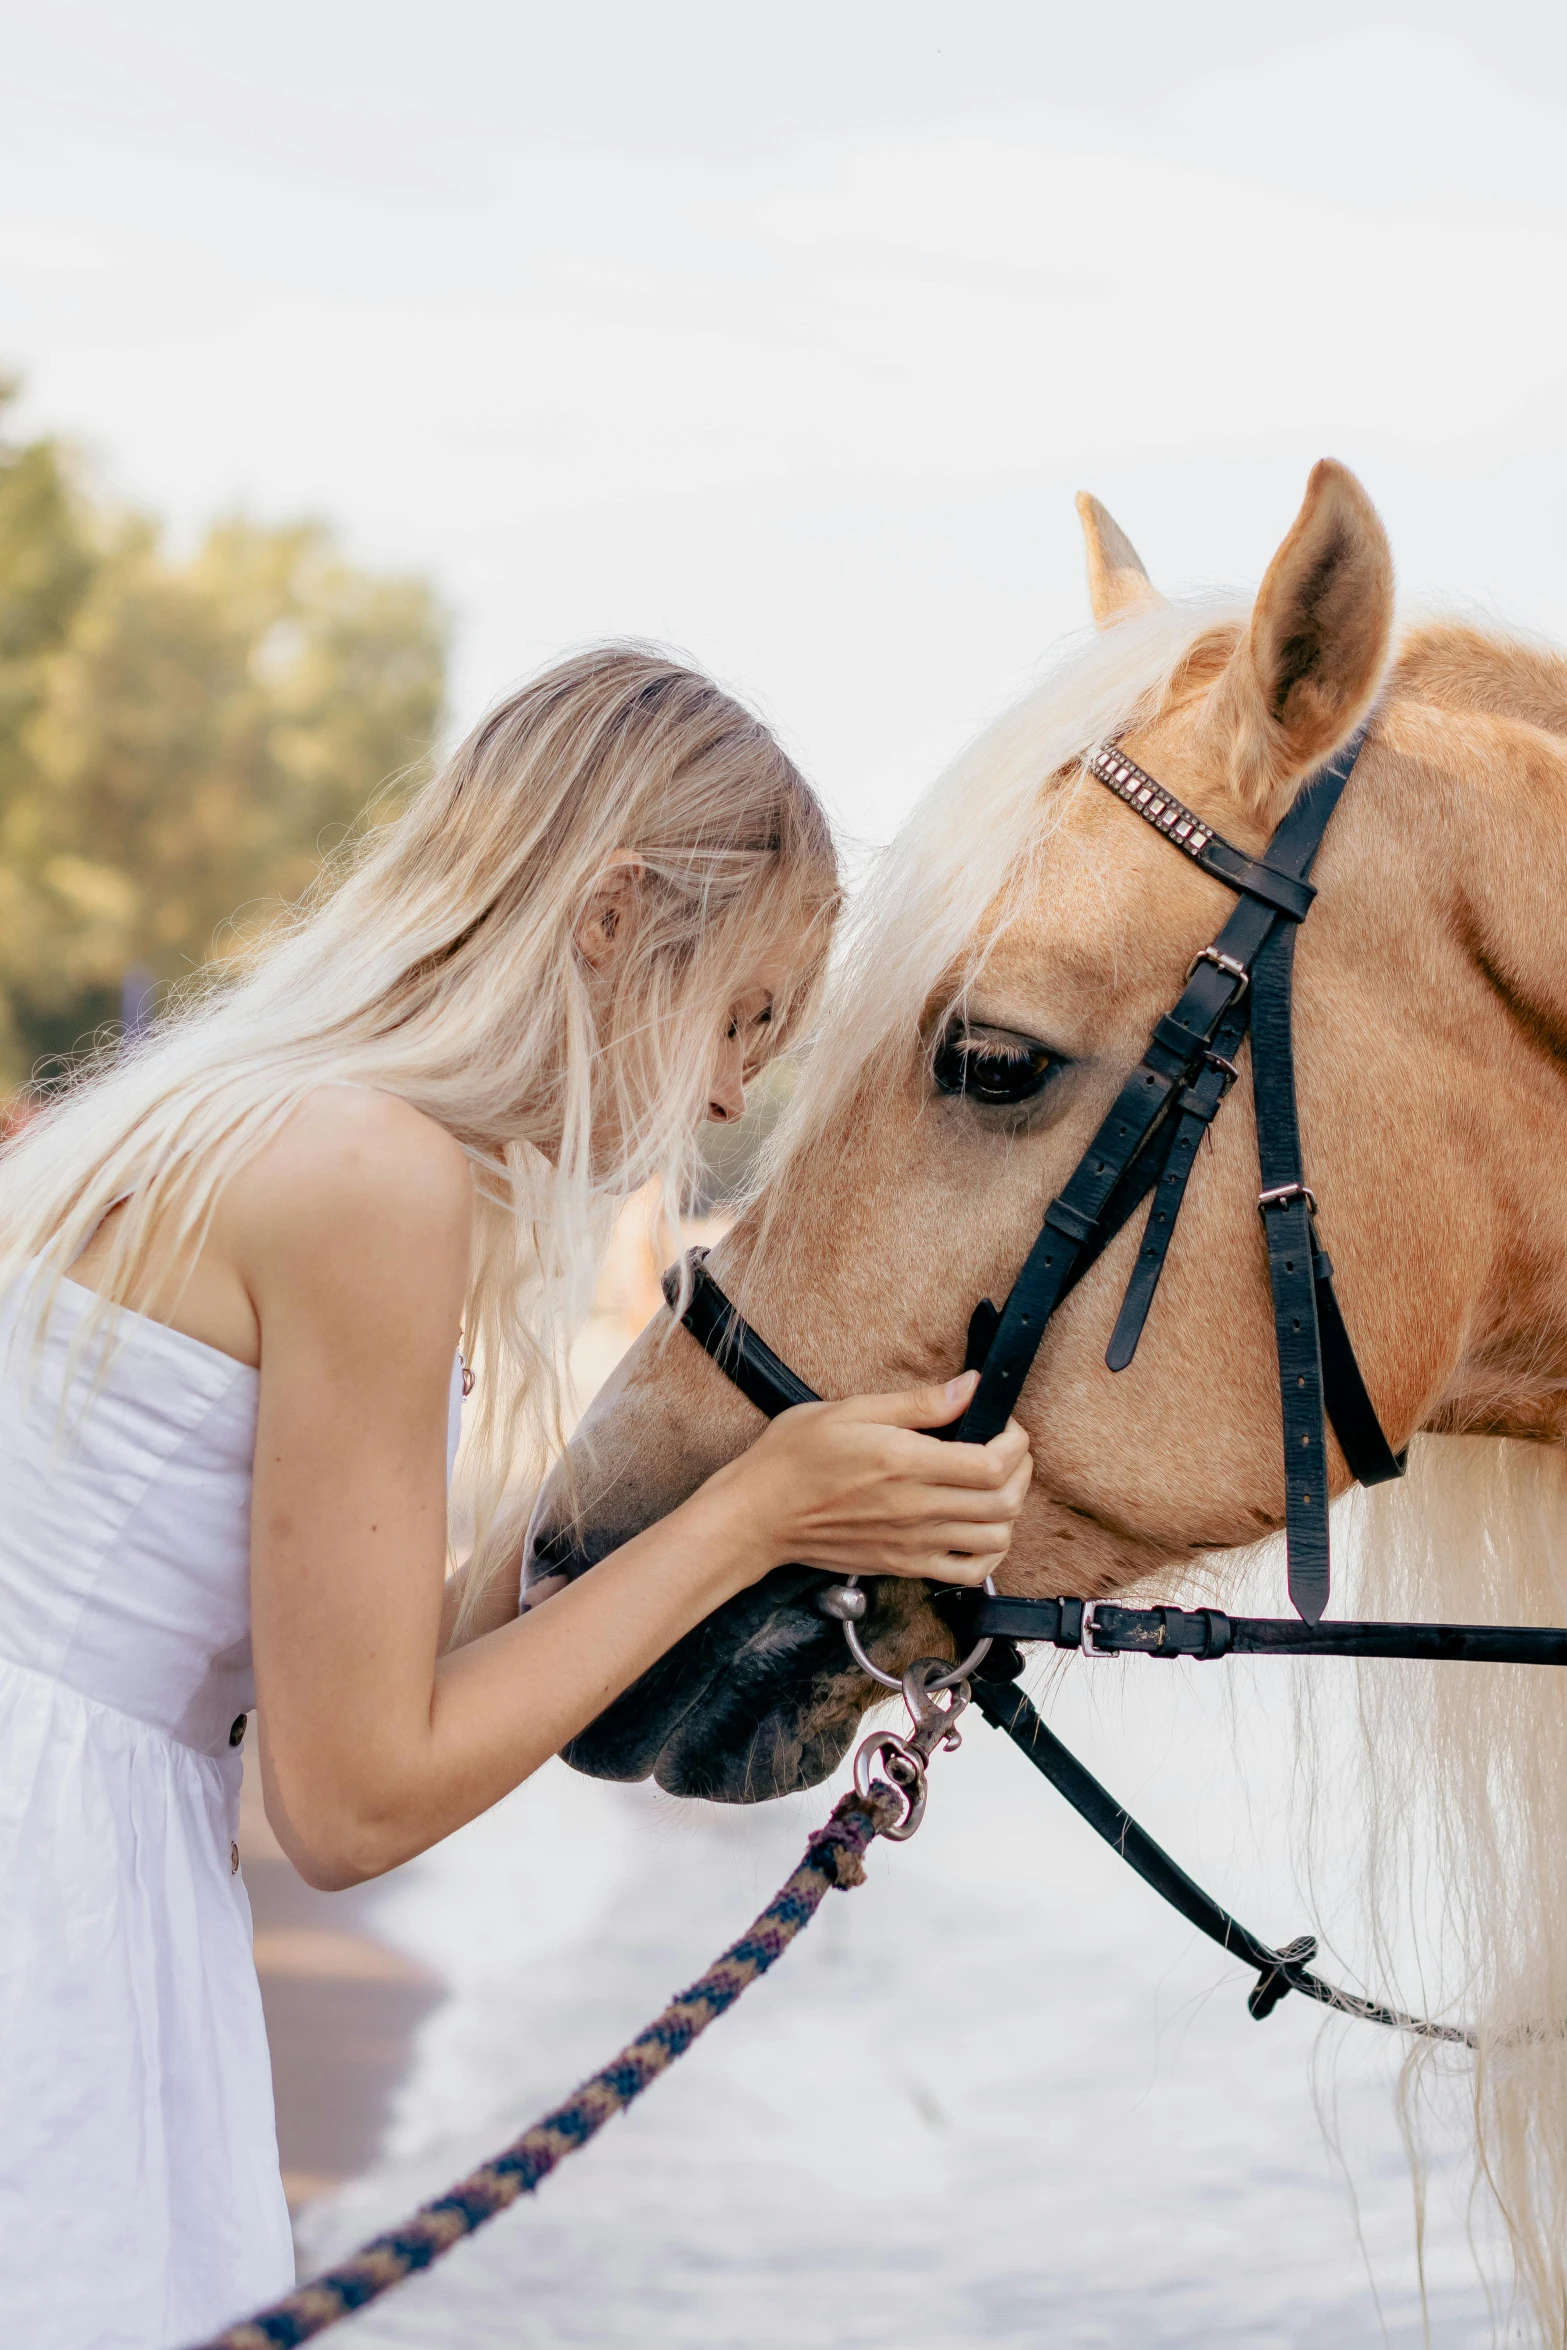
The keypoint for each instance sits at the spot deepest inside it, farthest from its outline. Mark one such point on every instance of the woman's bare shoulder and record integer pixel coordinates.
(357, 1171)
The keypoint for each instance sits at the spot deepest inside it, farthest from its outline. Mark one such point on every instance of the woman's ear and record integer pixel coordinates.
(1308, 668)
(601, 929)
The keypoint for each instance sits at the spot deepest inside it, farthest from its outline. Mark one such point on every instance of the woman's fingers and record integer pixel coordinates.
(969, 1568)
(1000, 1492)
(917, 1408)
(861, 1487)
(960, 1540)
(984, 1467)
(988, 1501)
(936, 1406)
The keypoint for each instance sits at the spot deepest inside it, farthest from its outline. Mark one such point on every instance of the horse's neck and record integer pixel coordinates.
(1453, 667)
(1497, 780)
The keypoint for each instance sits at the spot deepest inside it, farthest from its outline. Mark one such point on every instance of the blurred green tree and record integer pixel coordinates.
(180, 740)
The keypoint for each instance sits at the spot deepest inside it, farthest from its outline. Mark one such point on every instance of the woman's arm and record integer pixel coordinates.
(373, 1745)
(498, 1603)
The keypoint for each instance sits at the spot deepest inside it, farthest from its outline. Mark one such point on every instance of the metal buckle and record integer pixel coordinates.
(1225, 963)
(1227, 1069)
(1087, 1644)
(1283, 1195)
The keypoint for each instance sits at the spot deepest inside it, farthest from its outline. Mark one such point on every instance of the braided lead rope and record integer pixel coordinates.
(835, 1855)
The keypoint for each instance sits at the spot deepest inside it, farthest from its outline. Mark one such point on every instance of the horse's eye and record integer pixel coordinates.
(994, 1066)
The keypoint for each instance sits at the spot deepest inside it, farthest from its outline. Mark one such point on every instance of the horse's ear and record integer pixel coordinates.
(1308, 668)
(1117, 582)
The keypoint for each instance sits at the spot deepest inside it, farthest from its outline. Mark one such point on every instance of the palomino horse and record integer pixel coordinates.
(1027, 933)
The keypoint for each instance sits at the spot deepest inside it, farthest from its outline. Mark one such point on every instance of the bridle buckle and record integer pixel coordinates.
(1284, 1195)
(1087, 1644)
(1225, 963)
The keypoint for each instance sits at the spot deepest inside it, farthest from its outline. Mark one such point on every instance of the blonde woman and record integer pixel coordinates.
(235, 1272)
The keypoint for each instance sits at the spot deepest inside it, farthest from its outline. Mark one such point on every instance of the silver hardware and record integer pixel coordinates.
(1088, 1645)
(1282, 1196)
(902, 1760)
(950, 1675)
(1225, 963)
(1230, 1072)
(924, 1684)
(842, 1602)
(902, 1769)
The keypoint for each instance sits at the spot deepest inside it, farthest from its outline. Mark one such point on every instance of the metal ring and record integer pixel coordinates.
(976, 1655)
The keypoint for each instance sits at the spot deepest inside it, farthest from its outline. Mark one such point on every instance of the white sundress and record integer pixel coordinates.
(140, 2201)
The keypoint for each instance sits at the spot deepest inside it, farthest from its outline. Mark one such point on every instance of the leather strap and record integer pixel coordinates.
(1198, 1104)
(1278, 1971)
(1288, 1212)
(1371, 1459)
(1205, 1634)
(762, 1377)
(1081, 1217)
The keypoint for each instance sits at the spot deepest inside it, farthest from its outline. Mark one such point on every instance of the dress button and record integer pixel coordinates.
(237, 1731)
(233, 1860)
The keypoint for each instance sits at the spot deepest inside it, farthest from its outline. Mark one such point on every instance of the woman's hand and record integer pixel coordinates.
(855, 1488)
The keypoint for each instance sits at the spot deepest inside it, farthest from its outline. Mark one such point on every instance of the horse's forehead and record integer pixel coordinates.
(1101, 900)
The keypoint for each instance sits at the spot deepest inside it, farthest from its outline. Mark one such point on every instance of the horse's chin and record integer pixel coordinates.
(758, 1701)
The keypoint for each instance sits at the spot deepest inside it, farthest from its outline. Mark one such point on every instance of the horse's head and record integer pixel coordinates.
(1028, 918)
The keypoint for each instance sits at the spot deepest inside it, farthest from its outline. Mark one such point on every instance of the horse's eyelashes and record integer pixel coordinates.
(993, 1066)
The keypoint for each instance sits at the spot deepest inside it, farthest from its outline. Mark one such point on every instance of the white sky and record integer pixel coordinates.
(786, 335)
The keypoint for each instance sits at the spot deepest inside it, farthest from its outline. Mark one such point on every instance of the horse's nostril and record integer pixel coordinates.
(553, 1552)
(557, 1557)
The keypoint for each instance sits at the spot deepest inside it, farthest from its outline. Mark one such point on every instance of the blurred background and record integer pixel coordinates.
(361, 359)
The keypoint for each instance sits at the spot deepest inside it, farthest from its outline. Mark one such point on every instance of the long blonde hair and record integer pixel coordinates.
(437, 959)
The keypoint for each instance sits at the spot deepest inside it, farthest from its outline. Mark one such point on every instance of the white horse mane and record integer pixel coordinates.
(912, 926)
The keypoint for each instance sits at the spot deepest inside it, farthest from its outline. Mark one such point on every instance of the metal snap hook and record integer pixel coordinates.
(900, 1762)
(902, 1769)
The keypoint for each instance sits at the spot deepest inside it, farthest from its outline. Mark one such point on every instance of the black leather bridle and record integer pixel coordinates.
(1147, 1144)
(1238, 986)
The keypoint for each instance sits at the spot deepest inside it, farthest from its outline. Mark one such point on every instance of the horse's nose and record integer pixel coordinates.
(555, 1556)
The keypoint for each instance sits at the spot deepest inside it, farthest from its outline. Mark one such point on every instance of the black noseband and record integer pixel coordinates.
(1239, 984)
(761, 1376)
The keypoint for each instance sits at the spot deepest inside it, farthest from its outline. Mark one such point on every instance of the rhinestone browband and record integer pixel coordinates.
(1158, 807)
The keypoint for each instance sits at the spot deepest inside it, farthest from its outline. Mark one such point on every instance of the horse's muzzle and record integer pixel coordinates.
(759, 1700)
